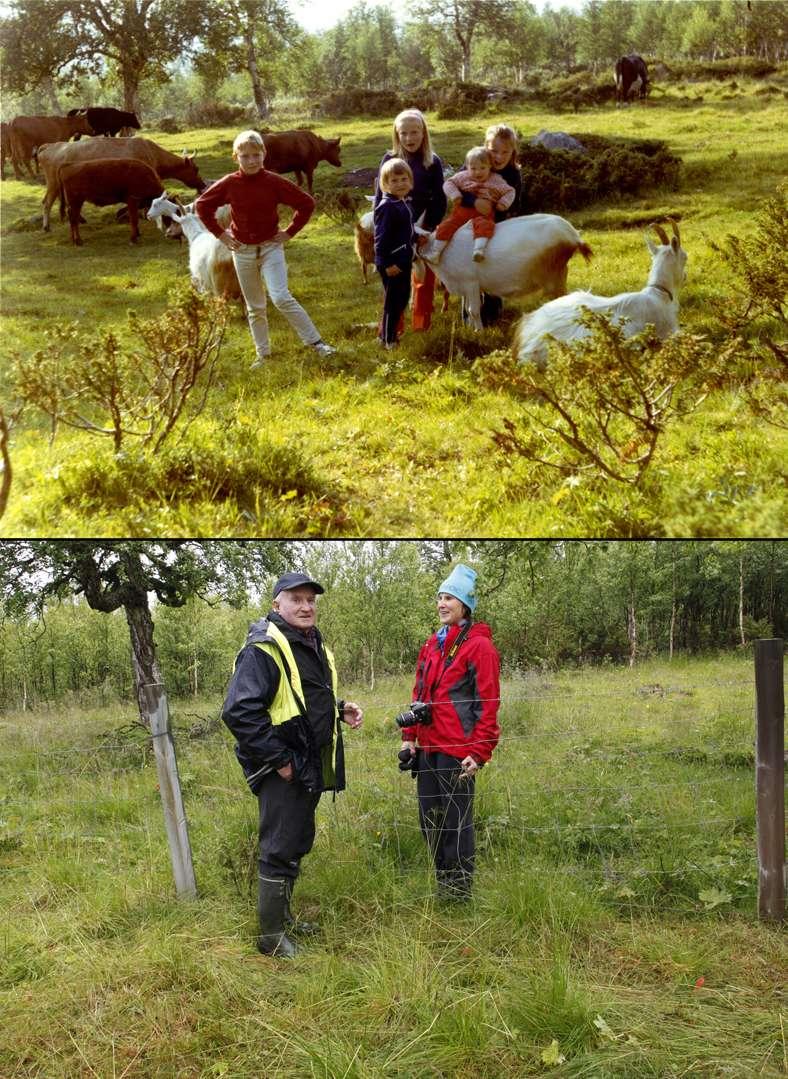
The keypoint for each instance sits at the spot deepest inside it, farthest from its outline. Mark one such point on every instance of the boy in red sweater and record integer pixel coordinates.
(257, 241)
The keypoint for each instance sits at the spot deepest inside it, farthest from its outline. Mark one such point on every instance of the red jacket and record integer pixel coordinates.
(253, 201)
(464, 695)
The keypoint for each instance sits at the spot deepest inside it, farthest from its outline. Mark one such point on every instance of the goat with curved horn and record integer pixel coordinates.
(654, 305)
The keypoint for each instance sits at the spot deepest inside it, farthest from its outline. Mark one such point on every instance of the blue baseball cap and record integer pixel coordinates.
(296, 580)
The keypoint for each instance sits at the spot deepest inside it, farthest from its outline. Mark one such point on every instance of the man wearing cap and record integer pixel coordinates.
(457, 674)
(283, 710)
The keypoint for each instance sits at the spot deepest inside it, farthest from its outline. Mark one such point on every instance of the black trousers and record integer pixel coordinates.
(446, 815)
(287, 826)
(395, 300)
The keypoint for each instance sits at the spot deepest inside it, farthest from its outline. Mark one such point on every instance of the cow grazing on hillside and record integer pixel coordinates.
(104, 183)
(167, 165)
(631, 78)
(299, 152)
(105, 121)
(28, 132)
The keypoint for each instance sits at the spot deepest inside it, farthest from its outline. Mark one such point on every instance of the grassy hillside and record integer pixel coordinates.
(613, 928)
(402, 443)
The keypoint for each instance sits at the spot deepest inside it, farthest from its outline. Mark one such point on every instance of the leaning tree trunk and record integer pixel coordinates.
(143, 653)
(260, 99)
(632, 633)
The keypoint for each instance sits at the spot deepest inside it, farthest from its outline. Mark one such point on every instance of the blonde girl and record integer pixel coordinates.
(411, 142)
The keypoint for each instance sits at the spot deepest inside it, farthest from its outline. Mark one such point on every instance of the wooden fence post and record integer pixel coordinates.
(769, 773)
(170, 789)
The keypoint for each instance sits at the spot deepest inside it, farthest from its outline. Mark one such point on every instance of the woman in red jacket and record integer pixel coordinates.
(457, 675)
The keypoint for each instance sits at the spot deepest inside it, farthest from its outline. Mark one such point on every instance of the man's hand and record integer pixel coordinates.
(392, 271)
(352, 715)
(286, 773)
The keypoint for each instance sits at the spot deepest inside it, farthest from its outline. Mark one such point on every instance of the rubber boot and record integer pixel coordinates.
(479, 248)
(454, 885)
(271, 904)
(307, 928)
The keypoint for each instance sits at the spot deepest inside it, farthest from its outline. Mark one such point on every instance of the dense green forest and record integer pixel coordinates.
(184, 59)
(550, 604)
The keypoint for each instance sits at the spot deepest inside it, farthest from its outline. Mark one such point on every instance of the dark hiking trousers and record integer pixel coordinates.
(287, 826)
(446, 816)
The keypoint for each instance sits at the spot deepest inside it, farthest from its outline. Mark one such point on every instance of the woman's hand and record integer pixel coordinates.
(230, 241)
(483, 207)
(469, 767)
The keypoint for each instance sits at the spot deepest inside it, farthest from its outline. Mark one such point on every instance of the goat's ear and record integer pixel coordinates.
(651, 245)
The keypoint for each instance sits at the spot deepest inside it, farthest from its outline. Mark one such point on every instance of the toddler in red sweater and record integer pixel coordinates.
(257, 241)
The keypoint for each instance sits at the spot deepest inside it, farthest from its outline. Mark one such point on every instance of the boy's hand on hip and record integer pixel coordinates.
(282, 237)
(229, 240)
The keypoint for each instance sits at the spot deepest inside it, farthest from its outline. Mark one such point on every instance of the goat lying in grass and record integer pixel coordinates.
(210, 262)
(656, 304)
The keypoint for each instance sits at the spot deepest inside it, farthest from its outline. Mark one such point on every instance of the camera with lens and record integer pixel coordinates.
(419, 712)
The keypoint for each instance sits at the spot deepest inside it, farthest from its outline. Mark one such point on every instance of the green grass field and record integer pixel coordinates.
(401, 443)
(613, 927)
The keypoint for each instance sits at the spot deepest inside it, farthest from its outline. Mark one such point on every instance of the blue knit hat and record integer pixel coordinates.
(461, 583)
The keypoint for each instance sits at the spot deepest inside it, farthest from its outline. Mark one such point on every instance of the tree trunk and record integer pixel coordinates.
(260, 99)
(741, 600)
(143, 653)
(632, 633)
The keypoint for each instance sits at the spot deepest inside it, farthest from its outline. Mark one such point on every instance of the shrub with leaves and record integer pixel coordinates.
(555, 180)
(757, 317)
(139, 390)
(602, 404)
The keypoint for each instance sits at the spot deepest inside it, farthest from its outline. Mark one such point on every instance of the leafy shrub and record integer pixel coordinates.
(555, 180)
(216, 114)
(109, 389)
(358, 101)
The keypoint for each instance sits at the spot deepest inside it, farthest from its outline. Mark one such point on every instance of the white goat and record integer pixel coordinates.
(210, 262)
(525, 254)
(656, 304)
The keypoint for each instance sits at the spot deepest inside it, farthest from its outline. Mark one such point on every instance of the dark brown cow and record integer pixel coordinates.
(299, 152)
(106, 121)
(28, 132)
(631, 78)
(104, 183)
(5, 146)
(167, 165)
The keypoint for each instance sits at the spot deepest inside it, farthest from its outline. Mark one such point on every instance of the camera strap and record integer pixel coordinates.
(452, 652)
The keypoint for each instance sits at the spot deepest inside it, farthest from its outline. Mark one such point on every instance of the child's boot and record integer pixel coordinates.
(479, 245)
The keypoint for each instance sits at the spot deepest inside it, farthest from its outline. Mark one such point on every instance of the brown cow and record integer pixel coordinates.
(299, 152)
(104, 183)
(166, 165)
(28, 132)
(5, 146)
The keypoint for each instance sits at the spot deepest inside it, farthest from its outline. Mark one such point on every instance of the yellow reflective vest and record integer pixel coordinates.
(289, 703)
